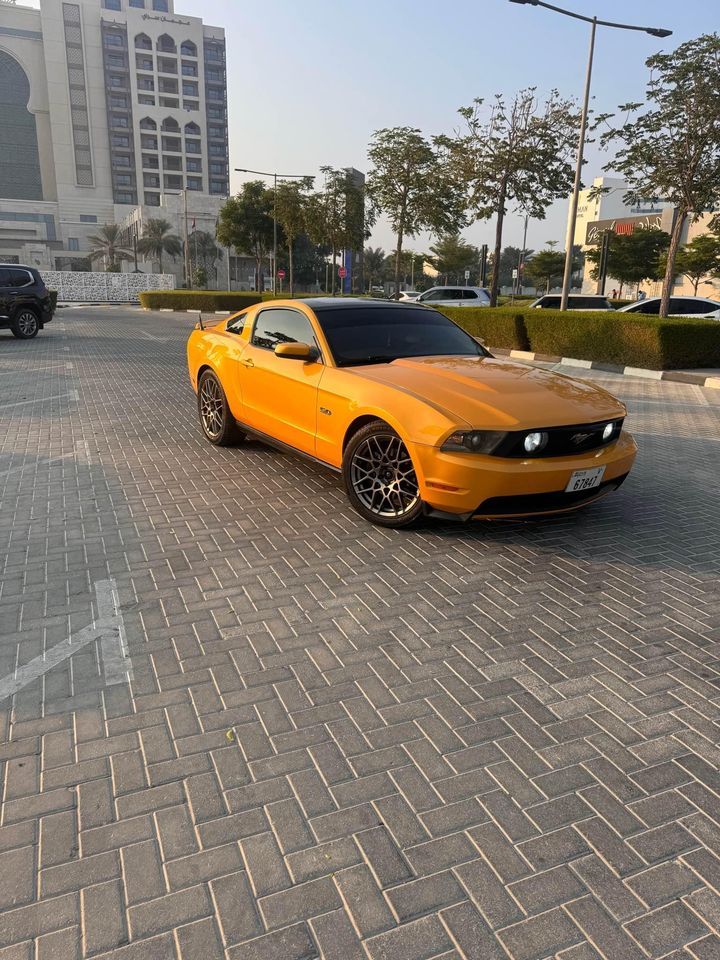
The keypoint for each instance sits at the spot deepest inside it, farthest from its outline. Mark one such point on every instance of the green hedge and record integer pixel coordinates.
(53, 299)
(497, 326)
(631, 340)
(206, 300)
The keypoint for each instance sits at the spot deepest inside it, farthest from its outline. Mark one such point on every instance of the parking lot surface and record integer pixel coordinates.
(238, 722)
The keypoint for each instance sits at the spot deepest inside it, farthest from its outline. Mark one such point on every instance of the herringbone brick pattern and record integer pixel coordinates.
(343, 743)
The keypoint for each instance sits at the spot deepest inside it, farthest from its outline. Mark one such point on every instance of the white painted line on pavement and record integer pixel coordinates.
(71, 395)
(108, 628)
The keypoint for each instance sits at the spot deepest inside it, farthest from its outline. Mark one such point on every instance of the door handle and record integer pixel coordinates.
(247, 363)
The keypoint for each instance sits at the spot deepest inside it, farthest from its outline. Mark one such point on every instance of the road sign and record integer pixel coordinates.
(515, 274)
(281, 274)
(342, 273)
(467, 274)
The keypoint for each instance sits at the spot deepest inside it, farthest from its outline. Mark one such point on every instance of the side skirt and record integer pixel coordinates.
(286, 447)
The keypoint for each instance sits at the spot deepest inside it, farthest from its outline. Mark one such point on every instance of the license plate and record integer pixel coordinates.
(585, 480)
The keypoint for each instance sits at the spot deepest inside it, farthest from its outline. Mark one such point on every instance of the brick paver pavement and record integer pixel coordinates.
(470, 742)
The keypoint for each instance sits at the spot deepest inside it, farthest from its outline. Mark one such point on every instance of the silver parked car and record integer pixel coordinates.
(576, 301)
(679, 307)
(455, 297)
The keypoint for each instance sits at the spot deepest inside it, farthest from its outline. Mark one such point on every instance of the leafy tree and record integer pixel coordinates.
(632, 257)
(517, 152)
(205, 252)
(246, 223)
(290, 212)
(411, 183)
(326, 215)
(698, 259)
(108, 247)
(545, 267)
(672, 149)
(157, 240)
(374, 265)
(452, 256)
(200, 277)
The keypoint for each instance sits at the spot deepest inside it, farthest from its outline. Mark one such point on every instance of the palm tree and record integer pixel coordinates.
(157, 239)
(373, 264)
(107, 246)
(205, 252)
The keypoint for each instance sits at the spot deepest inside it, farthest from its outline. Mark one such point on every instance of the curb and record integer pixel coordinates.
(676, 376)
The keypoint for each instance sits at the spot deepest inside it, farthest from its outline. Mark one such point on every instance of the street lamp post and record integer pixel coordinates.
(282, 176)
(572, 219)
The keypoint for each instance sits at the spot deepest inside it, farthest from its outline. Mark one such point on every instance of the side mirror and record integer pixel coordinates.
(296, 351)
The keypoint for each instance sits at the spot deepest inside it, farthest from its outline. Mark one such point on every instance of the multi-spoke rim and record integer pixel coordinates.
(211, 407)
(383, 476)
(27, 323)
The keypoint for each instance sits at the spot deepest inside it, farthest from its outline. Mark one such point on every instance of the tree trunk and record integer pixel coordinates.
(258, 274)
(498, 247)
(160, 253)
(291, 276)
(678, 226)
(696, 284)
(547, 288)
(398, 264)
(620, 290)
(333, 284)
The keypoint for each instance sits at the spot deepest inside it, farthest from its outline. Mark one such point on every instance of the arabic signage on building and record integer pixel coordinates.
(183, 23)
(623, 226)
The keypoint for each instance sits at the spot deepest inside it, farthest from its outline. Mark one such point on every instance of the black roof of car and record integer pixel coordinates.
(346, 303)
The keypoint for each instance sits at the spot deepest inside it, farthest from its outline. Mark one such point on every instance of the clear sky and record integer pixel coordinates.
(309, 82)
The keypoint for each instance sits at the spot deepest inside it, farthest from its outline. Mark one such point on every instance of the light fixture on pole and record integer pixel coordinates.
(572, 219)
(275, 176)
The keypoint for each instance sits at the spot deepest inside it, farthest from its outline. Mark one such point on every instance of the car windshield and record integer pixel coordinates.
(360, 335)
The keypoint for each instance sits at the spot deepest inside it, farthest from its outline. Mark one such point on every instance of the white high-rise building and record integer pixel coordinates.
(109, 110)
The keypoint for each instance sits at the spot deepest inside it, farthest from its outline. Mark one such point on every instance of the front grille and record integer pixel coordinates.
(562, 441)
(544, 502)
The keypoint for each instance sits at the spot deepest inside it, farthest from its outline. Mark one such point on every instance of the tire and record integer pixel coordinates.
(25, 324)
(216, 420)
(380, 478)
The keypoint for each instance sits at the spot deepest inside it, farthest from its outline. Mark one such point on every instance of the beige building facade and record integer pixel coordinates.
(112, 111)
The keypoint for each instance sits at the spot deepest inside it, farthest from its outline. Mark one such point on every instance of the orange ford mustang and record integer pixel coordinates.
(418, 417)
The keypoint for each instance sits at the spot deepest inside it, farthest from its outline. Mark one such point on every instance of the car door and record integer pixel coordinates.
(5, 291)
(279, 394)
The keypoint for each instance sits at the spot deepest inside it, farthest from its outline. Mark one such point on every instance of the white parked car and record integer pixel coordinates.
(456, 297)
(576, 301)
(679, 307)
(408, 295)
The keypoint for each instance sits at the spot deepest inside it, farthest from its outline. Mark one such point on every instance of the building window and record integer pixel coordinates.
(152, 199)
(147, 123)
(219, 169)
(189, 89)
(148, 142)
(216, 113)
(168, 86)
(194, 183)
(112, 4)
(151, 180)
(172, 144)
(121, 161)
(172, 102)
(123, 180)
(119, 141)
(193, 166)
(119, 122)
(115, 60)
(146, 100)
(191, 105)
(161, 5)
(188, 48)
(73, 243)
(214, 94)
(143, 63)
(124, 197)
(173, 182)
(166, 44)
(213, 76)
(143, 42)
(218, 187)
(170, 125)
(150, 162)
(217, 132)
(113, 40)
(88, 218)
(117, 82)
(118, 101)
(217, 150)
(192, 129)
(172, 163)
(137, 3)
(189, 69)
(193, 146)
(165, 65)
(146, 83)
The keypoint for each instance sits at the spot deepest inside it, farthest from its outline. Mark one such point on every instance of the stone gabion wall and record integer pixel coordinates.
(104, 287)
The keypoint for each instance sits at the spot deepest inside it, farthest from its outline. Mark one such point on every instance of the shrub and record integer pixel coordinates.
(206, 300)
(53, 299)
(625, 339)
(497, 326)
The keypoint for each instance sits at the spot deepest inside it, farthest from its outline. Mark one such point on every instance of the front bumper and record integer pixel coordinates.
(467, 485)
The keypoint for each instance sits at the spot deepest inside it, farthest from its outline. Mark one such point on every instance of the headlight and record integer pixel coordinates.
(534, 442)
(474, 441)
(608, 431)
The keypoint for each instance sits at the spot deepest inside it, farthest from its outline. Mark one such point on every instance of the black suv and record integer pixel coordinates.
(25, 303)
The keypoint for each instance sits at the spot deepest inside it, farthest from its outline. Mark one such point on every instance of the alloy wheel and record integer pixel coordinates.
(27, 323)
(383, 476)
(211, 407)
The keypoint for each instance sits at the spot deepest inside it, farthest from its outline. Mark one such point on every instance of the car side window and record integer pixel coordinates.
(469, 295)
(432, 295)
(20, 278)
(648, 306)
(691, 306)
(282, 325)
(5, 278)
(237, 324)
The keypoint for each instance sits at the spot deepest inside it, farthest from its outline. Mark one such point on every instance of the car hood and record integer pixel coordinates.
(487, 392)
